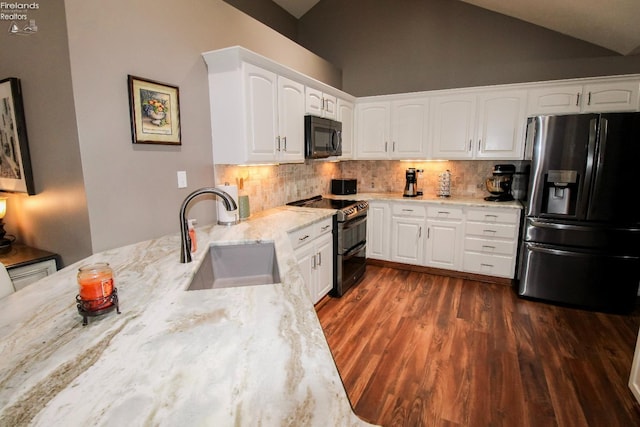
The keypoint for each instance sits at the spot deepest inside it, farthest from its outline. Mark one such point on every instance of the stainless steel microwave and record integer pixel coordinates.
(323, 137)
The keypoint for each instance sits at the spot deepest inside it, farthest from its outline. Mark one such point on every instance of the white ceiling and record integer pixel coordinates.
(612, 24)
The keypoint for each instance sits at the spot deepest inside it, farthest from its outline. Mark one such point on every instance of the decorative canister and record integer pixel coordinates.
(96, 286)
(444, 181)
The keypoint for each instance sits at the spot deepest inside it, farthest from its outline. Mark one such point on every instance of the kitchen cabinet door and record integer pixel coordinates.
(346, 115)
(501, 125)
(453, 121)
(373, 130)
(291, 107)
(408, 129)
(407, 240)
(378, 230)
(611, 96)
(320, 104)
(305, 255)
(324, 266)
(555, 100)
(261, 113)
(444, 243)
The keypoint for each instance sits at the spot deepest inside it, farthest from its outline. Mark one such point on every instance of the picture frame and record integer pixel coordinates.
(155, 112)
(16, 174)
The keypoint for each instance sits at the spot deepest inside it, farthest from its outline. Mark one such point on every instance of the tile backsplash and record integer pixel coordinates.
(270, 186)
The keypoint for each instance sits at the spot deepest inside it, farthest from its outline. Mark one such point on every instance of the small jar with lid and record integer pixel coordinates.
(95, 282)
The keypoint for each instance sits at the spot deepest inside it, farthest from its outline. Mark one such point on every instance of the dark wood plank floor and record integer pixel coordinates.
(416, 349)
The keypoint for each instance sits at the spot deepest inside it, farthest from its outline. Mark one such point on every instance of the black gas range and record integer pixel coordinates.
(351, 238)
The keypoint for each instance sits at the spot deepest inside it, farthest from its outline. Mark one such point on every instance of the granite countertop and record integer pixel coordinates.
(240, 356)
(397, 197)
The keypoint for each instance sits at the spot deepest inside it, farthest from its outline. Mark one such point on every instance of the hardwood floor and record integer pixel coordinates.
(416, 349)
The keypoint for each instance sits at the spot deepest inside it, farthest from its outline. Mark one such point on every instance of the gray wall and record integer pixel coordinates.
(392, 46)
(269, 13)
(96, 190)
(56, 218)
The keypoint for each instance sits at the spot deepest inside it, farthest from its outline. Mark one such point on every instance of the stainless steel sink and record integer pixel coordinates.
(231, 266)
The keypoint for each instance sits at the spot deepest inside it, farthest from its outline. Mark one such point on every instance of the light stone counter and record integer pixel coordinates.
(398, 197)
(223, 357)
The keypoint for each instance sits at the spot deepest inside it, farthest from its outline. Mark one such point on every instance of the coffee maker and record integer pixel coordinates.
(499, 185)
(411, 186)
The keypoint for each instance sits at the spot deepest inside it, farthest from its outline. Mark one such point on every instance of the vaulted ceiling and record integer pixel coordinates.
(612, 24)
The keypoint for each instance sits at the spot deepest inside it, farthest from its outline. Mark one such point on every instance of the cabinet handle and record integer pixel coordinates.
(385, 146)
(578, 99)
(321, 104)
(420, 232)
(489, 231)
(428, 232)
(303, 238)
(444, 213)
(488, 247)
(278, 140)
(490, 216)
(479, 144)
(407, 210)
(284, 140)
(319, 259)
(486, 265)
(326, 227)
(470, 142)
(589, 99)
(313, 265)
(394, 147)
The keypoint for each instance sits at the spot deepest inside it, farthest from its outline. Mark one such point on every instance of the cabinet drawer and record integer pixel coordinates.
(510, 216)
(303, 235)
(490, 246)
(490, 265)
(411, 210)
(324, 226)
(444, 212)
(504, 231)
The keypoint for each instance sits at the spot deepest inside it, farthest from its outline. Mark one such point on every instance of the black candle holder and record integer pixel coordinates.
(85, 306)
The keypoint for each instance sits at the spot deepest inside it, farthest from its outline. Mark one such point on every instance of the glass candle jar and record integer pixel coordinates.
(96, 285)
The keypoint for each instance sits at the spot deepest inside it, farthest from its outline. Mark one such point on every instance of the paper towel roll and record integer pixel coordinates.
(243, 206)
(226, 217)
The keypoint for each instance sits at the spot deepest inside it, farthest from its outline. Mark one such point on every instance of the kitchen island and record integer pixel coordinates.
(251, 355)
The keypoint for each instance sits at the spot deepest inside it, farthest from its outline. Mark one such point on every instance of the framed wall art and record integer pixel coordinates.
(15, 163)
(155, 112)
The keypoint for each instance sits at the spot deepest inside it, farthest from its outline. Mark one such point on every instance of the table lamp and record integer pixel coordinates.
(4, 242)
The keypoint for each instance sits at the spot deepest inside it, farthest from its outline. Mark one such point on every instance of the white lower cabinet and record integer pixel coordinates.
(378, 230)
(444, 237)
(491, 241)
(407, 233)
(313, 247)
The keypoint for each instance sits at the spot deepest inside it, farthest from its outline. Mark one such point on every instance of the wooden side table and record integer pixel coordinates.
(26, 264)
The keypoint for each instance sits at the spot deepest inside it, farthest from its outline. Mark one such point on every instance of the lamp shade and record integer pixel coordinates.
(3, 207)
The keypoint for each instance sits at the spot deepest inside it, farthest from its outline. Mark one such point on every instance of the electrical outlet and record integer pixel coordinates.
(182, 179)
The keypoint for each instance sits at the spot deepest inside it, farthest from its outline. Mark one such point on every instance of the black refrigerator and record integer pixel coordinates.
(581, 233)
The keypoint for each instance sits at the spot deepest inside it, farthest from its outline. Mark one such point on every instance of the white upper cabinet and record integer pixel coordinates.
(487, 125)
(395, 129)
(346, 115)
(290, 139)
(321, 104)
(258, 107)
(598, 97)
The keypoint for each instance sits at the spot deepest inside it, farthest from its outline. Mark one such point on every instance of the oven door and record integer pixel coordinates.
(352, 248)
(353, 233)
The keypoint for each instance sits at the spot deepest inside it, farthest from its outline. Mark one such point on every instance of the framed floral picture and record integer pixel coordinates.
(15, 163)
(155, 112)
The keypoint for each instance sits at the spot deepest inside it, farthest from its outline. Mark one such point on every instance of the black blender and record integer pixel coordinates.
(499, 185)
